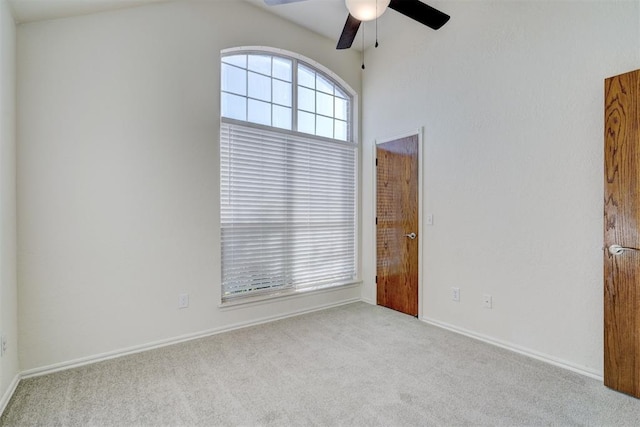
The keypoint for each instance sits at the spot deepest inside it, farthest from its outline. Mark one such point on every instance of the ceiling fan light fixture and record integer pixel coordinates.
(367, 10)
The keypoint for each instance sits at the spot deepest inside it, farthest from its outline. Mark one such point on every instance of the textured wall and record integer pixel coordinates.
(118, 174)
(510, 95)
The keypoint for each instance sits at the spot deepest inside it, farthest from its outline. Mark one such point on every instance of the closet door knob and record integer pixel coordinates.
(618, 250)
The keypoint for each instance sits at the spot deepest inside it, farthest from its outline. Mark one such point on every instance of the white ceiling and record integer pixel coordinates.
(40, 10)
(325, 17)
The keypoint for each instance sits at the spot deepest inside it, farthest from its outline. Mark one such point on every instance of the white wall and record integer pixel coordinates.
(118, 174)
(510, 95)
(8, 283)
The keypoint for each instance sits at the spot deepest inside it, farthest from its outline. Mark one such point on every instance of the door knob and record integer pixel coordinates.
(412, 236)
(618, 250)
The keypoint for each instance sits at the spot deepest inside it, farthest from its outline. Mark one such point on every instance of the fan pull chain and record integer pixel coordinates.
(376, 25)
(363, 46)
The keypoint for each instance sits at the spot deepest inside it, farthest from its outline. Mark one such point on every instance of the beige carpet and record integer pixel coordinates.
(354, 365)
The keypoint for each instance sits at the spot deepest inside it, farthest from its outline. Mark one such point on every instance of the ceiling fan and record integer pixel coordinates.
(368, 10)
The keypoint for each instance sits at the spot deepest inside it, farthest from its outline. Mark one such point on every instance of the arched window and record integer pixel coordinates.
(285, 93)
(288, 175)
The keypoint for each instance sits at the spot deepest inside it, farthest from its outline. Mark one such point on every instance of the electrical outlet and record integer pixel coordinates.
(3, 345)
(455, 294)
(486, 301)
(183, 300)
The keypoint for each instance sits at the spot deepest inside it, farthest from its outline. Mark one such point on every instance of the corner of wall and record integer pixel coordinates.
(9, 366)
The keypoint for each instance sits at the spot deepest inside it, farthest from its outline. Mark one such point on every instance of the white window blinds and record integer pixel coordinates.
(288, 211)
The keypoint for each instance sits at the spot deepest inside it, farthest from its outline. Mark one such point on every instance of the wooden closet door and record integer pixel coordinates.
(621, 237)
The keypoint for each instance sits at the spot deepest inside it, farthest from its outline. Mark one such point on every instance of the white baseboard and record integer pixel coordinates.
(44, 370)
(188, 337)
(369, 301)
(6, 397)
(517, 349)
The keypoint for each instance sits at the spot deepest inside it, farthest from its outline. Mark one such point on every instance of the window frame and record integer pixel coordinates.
(352, 139)
(310, 64)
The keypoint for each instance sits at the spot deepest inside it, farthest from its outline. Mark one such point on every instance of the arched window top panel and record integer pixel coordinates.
(284, 90)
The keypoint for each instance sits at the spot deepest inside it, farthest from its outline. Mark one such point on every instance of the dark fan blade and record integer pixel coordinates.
(277, 2)
(421, 12)
(348, 33)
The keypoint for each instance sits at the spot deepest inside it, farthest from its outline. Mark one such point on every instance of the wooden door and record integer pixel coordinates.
(621, 220)
(397, 224)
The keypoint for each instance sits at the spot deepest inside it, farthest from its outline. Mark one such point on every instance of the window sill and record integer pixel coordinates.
(287, 294)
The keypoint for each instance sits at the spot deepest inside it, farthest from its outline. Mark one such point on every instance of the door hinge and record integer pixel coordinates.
(376, 279)
(376, 220)
(376, 161)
